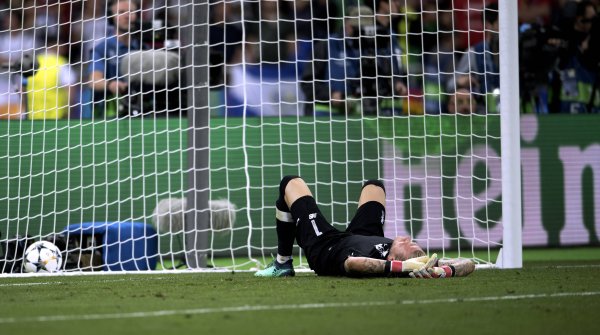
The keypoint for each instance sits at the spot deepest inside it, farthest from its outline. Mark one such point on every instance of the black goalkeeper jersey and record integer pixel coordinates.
(330, 261)
(327, 248)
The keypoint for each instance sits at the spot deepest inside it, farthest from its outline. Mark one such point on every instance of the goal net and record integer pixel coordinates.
(152, 134)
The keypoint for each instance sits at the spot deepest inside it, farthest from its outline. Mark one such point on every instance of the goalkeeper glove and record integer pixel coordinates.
(444, 271)
(420, 264)
(423, 272)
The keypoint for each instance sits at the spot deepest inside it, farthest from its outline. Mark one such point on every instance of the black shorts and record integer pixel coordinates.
(318, 238)
(368, 220)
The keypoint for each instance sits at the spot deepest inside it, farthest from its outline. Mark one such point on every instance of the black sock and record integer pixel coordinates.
(286, 230)
(286, 234)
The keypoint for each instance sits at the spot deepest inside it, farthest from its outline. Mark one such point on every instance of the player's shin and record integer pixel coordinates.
(286, 229)
(286, 233)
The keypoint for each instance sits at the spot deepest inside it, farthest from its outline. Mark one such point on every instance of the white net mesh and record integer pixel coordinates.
(102, 142)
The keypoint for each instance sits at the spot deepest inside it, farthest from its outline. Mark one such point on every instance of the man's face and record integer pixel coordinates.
(125, 14)
(404, 248)
(461, 103)
(584, 23)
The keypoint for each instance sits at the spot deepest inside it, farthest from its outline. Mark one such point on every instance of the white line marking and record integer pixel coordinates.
(257, 308)
(29, 284)
(116, 273)
(137, 279)
(578, 266)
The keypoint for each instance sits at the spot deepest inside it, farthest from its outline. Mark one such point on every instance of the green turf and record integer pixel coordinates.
(553, 294)
(564, 254)
(542, 254)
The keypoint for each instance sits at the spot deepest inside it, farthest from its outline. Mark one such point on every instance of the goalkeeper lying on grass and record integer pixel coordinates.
(361, 250)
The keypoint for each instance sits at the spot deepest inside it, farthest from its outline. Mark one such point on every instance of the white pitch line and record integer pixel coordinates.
(83, 281)
(142, 277)
(577, 266)
(30, 284)
(257, 308)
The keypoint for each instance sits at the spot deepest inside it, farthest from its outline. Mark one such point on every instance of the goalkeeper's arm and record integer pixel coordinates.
(378, 267)
(446, 268)
(462, 267)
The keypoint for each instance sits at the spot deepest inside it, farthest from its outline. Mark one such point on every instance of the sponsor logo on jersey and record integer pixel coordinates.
(383, 249)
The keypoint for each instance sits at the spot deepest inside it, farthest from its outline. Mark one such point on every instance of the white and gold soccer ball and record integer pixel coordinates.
(42, 257)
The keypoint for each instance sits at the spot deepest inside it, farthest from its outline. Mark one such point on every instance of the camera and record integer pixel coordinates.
(153, 73)
(153, 77)
(547, 53)
(156, 34)
(591, 56)
(540, 51)
(26, 66)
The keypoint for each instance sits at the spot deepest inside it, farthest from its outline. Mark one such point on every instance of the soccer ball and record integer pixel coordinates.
(41, 257)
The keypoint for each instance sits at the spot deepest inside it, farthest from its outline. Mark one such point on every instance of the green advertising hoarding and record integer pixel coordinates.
(58, 173)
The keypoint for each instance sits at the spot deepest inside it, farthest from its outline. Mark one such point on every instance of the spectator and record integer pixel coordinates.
(576, 80)
(479, 67)
(225, 38)
(430, 43)
(536, 11)
(469, 26)
(164, 10)
(461, 102)
(385, 12)
(15, 42)
(104, 84)
(92, 27)
(51, 88)
(359, 67)
(273, 28)
(159, 23)
(315, 19)
(266, 84)
(386, 15)
(42, 18)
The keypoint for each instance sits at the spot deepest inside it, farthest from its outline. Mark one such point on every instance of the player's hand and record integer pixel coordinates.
(416, 267)
(421, 259)
(420, 274)
(423, 271)
(441, 272)
(413, 264)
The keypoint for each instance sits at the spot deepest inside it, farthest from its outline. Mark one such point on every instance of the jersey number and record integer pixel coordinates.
(312, 217)
(314, 224)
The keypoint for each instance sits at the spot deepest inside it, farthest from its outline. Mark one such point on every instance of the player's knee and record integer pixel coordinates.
(375, 182)
(373, 190)
(284, 182)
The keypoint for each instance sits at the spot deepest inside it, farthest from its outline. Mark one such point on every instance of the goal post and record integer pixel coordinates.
(511, 256)
(194, 40)
(225, 97)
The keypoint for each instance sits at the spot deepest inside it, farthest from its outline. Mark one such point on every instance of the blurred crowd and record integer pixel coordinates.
(59, 59)
(64, 59)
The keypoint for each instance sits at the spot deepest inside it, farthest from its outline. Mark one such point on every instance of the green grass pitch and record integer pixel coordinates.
(557, 291)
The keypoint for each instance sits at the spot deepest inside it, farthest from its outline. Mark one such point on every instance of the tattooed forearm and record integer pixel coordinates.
(462, 267)
(364, 265)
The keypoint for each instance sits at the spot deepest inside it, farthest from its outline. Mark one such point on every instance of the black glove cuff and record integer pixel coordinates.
(453, 270)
